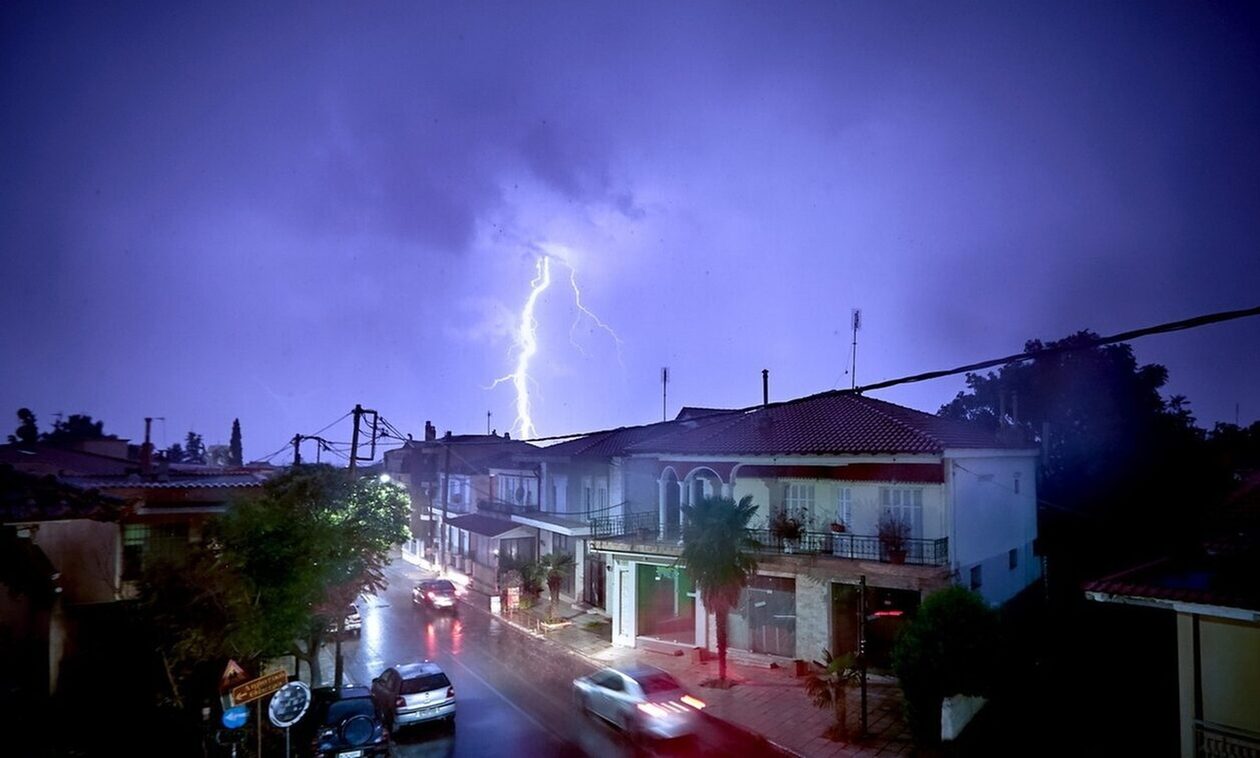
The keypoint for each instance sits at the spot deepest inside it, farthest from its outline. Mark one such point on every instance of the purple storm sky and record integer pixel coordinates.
(274, 213)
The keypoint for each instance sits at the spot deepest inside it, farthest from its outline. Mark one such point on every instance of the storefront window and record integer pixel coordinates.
(764, 621)
(666, 607)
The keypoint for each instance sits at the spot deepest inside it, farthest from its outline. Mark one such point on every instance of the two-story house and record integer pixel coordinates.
(968, 497)
(467, 491)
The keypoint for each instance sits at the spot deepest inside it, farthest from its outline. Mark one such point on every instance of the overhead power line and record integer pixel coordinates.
(1171, 326)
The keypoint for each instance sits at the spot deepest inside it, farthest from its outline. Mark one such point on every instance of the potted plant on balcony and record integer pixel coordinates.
(788, 527)
(838, 526)
(893, 534)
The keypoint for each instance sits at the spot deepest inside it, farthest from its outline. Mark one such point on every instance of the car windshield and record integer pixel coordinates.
(343, 709)
(442, 585)
(654, 683)
(425, 683)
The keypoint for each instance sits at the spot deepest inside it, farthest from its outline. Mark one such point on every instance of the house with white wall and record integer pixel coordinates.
(1216, 600)
(838, 457)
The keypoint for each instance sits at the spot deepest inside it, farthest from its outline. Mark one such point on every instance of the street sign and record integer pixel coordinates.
(232, 676)
(235, 717)
(260, 687)
(290, 704)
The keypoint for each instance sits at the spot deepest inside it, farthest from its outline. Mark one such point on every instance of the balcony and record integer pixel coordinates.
(504, 507)
(642, 529)
(1219, 741)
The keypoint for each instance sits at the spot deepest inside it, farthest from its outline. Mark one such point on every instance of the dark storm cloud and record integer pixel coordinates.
(303, 192)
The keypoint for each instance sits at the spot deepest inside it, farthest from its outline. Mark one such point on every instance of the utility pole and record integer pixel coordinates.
(446, 491)
(297, 449)
(354, 449)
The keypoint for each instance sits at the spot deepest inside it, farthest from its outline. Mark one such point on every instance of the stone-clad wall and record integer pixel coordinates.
(813, 617)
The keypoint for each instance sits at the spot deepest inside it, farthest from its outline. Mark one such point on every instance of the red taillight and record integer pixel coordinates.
(450, 692)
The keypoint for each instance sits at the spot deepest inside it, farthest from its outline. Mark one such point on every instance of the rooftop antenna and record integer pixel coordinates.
(664, 391)
(857, 324)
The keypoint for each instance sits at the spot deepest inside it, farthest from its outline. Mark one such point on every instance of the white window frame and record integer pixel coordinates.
(798, 497)
(905, 503)
(844, 506)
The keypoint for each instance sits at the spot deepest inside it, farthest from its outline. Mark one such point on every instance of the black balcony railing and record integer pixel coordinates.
(1218, 741)
(503, 506)
(644, 527)
(862, 547)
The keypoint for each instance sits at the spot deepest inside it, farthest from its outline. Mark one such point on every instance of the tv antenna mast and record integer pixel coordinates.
(857, 324)
(664, 391)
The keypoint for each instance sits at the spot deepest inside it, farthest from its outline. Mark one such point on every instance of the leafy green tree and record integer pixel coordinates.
(552, 569)
(194, 448)
(238, 453)
(76, 428)
(306, 548)
(828, 686)
(718, 553)
(950, 647)
(27, 433)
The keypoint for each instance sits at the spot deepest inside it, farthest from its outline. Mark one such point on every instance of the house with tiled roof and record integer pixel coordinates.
(834, 462)
(1215, 597)
(473, 497)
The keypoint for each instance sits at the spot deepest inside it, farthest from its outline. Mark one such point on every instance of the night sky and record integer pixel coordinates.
(275, 213)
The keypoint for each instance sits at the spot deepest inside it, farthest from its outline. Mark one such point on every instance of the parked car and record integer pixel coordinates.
(345, 723)
(438, 594)
(642, 700)
(413, 693)
(352, 624)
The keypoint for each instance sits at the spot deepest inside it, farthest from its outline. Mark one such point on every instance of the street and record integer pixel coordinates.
(514, 692)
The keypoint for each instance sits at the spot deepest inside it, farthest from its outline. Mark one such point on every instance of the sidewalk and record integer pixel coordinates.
(770, 702)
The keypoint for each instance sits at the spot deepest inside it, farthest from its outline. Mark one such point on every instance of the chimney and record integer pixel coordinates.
(447, 435)
(430, 431)
(146, 450)
(507, 436)
(765, 386)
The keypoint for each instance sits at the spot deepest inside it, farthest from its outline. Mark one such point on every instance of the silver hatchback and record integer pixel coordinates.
(413, 693)
(643, 701)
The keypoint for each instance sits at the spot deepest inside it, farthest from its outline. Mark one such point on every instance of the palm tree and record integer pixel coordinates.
(828, 685)
(553, 568)
(718, 554)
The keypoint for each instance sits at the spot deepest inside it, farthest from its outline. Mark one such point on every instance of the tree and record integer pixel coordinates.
(175, 454)
(718, 554)
(76, 428)
(950, 647)
(238, 454)
(312, 542)
(1115, 452)
(552, 569)
(27, 433)
(194, 448)
(828, 687)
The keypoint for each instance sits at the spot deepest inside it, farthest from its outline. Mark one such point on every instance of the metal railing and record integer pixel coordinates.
(640, 525)
(645, 527)
(1220, 741)
(503, 506)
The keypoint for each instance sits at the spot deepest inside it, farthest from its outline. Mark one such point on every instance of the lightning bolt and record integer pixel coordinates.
(583, 310)
(527, 342)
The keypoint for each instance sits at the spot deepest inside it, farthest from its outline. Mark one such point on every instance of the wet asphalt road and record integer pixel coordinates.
(514, 692)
